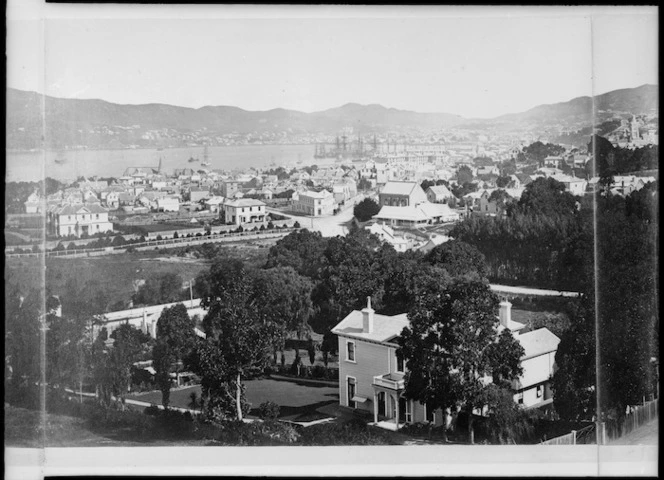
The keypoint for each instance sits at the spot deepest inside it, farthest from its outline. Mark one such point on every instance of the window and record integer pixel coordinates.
(69, 217)
(540, 390)
(97, 216)
(351, 392)
(519, 398)
(350, 351)
(400, 362)
(409, 411)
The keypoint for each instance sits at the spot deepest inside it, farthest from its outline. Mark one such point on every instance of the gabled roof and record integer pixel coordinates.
(244, 202)
(398, 188)
(538, 342)
(441, 190)
(384, 327)
(409, 213)
(312, 194)
(76, 208)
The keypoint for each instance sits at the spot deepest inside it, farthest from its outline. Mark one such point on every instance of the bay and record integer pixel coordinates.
(33, 166)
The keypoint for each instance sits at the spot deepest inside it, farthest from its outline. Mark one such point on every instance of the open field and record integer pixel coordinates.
(113, 275)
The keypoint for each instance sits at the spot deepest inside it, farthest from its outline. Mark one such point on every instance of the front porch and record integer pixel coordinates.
(390, 410)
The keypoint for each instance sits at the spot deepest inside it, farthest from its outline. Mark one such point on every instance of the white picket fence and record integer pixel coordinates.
(576, 437)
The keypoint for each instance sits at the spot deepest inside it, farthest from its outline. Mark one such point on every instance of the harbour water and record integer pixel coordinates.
(31, 166)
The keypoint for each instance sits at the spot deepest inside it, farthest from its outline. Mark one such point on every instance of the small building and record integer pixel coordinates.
(314, 204)
(196, 194)
(401, 194)
(168, 203)
(34, 203)
(439, 194)
(229, 188)
(243, 210)
(575, 186)
(214, 203)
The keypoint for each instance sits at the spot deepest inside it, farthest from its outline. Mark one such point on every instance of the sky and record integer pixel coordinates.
(471, 61)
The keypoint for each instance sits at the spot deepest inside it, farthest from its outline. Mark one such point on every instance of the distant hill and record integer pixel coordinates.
(101, 124)
(638, 101)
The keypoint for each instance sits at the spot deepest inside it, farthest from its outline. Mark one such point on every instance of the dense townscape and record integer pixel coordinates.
(377, 261)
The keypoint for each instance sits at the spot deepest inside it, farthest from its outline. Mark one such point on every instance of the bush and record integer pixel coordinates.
(256, 433)
(268, 410)
(159, 237)
(270, 225)
(262, 227)
(319, 371)
(152, 410)
(239, 229)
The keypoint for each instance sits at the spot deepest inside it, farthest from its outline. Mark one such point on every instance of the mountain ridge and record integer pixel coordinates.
(97, 123)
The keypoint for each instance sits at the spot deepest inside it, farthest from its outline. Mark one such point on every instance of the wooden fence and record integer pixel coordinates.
(584, 436)
(603, 432)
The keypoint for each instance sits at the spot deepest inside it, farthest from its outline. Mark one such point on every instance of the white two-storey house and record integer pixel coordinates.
(371, 372)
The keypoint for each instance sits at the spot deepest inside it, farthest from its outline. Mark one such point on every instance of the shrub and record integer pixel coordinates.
(262, 227)
(152, 410)
(319, 371)
(270, 225)
(199, 234)
(175, 235)
(268, 410)
(296, 224)
(257, 433)
(239, 229)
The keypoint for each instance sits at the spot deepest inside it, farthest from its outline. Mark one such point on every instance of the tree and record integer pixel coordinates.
(285, 299)
(538, 151)
(458, 258)
(175, 340)
(22, 333)
(157, 290)
(450, 345)
(366, 209)
(311, 350)
(503, 182)
(111, 366)
(237, 343)
(507, 422)
(67, 351)
(302, 250)
(464, 175)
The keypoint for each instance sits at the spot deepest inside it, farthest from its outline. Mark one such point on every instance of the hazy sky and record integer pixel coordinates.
(470, 61)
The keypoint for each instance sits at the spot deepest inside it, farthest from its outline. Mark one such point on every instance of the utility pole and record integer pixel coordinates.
(191, 293)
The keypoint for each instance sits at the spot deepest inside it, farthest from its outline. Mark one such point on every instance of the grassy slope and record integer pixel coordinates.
(114, 273)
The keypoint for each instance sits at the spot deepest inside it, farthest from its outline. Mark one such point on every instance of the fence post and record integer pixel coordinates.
(573, 437)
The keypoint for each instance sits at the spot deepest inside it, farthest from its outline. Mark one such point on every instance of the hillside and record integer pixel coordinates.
(100, 124)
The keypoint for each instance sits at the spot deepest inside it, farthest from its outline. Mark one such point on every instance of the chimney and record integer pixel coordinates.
(367, 317)
(505, 314)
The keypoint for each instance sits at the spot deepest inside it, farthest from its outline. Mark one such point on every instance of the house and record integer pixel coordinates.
(371, 372)
(168, 203)
(214, 203)
(401, 194)
(244, 210)
(439, 194)
(553, 161)
(575, 186)
(315, 204)
(79, 219)
(229, 188)
(112, 200)
(386, 234)
(416, 216)
(196, 194)
(34, 203)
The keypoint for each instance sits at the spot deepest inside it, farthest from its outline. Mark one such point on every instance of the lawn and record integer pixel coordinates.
(113, 275)
(298, 399)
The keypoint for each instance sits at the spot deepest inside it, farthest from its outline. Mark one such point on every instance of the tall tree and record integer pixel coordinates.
(302, 250)
(175, 340)
(237, 344)
(450, 345)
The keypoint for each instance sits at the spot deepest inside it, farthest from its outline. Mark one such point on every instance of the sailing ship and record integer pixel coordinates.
(60, 158)
(205, 162)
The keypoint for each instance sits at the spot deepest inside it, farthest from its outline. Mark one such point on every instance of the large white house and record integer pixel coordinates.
(79, 219)
(371, 374)
(416, 215)
(315, 204)
(243, 210)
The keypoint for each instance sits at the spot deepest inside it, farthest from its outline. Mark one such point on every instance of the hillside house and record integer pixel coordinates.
(168, 203)
(34, 203)
(229, 188)
(575, 186)
(371, 372)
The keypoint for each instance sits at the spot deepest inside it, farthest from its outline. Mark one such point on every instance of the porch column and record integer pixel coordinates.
(396, 409)
(375, 408)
